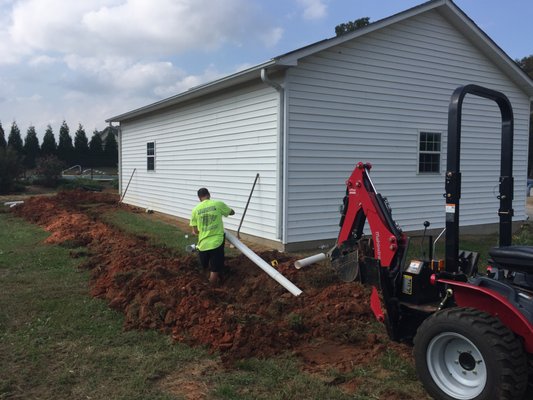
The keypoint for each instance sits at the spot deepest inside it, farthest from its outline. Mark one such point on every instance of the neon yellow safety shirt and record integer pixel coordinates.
(207, 218)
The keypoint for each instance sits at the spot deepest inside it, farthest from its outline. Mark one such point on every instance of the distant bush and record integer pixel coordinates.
(49, 171)
(524, 236)
(10, 169)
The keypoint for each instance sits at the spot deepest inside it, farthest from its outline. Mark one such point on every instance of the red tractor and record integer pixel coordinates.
(472, 332)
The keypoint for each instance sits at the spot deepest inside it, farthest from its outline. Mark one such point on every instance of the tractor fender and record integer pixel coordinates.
(493, 303)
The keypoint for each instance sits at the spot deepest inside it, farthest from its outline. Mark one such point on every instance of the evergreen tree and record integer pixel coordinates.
(65, 149)
(526, 64)
(49, 146)
(10, 169)
(111, 150)
(3, 143)
(15, 140)
(31, 148)
(81, 147)
(96, 150)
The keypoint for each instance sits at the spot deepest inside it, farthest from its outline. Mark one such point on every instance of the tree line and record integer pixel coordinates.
(23, 162)
(81, 151)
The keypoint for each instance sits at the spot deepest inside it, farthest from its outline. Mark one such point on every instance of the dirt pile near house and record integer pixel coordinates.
(249, 315)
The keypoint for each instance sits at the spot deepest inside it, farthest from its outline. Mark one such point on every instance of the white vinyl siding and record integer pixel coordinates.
(220, 143)
(368, 99)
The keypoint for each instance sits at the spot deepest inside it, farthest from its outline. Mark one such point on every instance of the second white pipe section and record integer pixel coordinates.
(274, 274)
(309, 260)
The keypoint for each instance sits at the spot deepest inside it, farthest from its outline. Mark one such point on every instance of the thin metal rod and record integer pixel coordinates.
(127, 186)
(246, 208)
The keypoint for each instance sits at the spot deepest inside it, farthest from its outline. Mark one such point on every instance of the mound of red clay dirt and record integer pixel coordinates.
(248, 315)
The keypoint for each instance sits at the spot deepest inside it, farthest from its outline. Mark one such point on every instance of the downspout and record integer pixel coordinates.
(529, 144)
(119, 159)
(280, 201)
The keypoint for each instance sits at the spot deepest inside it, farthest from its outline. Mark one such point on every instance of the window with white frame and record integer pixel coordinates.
(429, 145)
(150, 156)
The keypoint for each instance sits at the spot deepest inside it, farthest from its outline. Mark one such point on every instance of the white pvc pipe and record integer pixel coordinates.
(309, 260)
(12, 204)
(274, 274)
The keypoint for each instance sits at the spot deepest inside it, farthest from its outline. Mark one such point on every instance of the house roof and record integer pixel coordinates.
(449, 10)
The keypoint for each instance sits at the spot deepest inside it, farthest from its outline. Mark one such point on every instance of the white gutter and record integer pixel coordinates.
(274, 274)
(119, 159)
(280, 199)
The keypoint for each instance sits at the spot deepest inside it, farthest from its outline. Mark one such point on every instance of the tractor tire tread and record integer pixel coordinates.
(504, 342)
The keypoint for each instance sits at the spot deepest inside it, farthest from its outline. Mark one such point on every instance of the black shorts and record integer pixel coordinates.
(212, 259)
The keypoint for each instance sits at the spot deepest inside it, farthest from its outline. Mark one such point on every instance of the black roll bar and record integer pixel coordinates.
(453, 174)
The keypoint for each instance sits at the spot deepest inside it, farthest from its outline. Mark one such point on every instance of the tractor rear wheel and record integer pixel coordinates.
(467, 354)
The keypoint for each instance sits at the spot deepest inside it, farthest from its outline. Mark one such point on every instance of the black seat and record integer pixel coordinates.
(514, 258)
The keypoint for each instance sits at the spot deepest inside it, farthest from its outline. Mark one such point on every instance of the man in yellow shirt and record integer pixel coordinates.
(206, 222)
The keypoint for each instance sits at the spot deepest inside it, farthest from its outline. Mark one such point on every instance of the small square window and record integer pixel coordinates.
(150, 156)
(429, 152)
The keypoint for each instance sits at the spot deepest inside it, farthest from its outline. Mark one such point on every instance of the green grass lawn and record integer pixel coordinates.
(56, 342)
(157, 232)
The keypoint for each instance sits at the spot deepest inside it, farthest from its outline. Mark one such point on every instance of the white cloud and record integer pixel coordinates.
(156, 79)
(271, 37)
(313, 9)
(51, 25)
(165, 26)
(42, 60)
(128, 27)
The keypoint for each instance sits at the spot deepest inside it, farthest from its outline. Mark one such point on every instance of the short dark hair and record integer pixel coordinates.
(203, 192)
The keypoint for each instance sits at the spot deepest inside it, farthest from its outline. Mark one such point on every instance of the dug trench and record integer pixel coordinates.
(329, 326)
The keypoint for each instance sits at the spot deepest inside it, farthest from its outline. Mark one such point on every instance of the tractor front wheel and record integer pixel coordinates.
(463, 353)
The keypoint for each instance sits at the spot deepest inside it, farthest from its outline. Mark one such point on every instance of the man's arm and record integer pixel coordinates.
(194, 222)
(224, 209)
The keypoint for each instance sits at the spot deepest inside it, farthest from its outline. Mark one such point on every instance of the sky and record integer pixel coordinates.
(88, 60)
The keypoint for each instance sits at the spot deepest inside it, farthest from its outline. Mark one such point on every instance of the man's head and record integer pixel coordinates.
(203, 194)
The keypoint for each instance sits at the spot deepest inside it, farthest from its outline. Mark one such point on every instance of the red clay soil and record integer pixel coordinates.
(250, 315)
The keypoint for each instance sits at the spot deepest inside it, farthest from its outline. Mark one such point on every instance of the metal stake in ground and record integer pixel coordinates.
(127, 186)
(247, 203)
